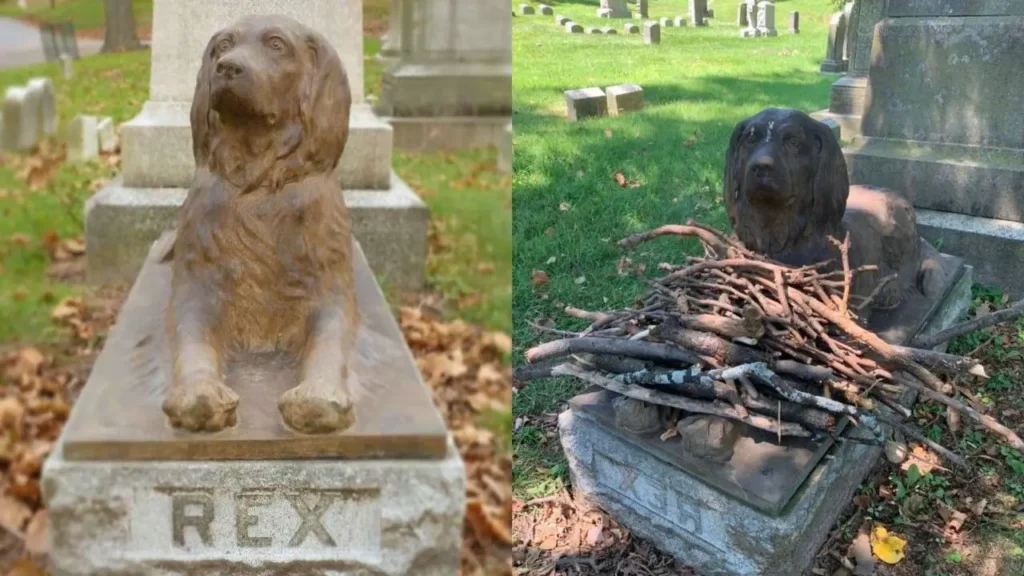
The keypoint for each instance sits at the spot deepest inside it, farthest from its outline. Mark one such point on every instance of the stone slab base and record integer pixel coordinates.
(974, 180)
(992, 246)
(122, 222)
(452, 89)
(449, 133)
(847, 95)
(156, 148)
(255, 518)
(849, 125)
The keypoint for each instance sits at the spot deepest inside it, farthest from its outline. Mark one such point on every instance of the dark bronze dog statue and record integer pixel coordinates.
(262, 261)
(787, 191)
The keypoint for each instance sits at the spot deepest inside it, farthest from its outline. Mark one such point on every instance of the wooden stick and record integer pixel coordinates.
(635, 348)
(933, 340)
(844, 251)
(677, 230)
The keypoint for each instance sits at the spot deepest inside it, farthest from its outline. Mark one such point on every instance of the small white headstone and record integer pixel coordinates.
(652, 33)
(47, 121)
(680, 22)
(666, 22)
(21, 118)
(546, 10)
(68, 64)
(585, 103)
(106, 135)
(766, 19)
(624, 98)
(631, 28)
(83, 140)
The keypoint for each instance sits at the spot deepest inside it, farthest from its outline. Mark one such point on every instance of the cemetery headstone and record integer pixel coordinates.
(750, 31)
(107, 135)
(766, 19)
(652, 33)
(641, 8)
(585, 103)
(698, 11)
(666, 22)
(47, 121)
(593, 30)
(794, 22)
(613, 9)
(67, 66)
(158, 163)
(20, 119)
(680, 22)
(562, 20)
(546, 10)
(624, 98)
(391, 43)
(741, 15)
(526, 9)
(573, 27)
(833, 61)
(631, 28)
(82, 138)
(847, 43)
(950, 133)
(609, 30)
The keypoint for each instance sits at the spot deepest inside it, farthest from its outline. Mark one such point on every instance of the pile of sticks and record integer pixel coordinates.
(779, 348)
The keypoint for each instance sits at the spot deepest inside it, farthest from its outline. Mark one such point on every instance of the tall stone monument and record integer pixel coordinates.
(942, 122)
(452, 84)
(125, 217)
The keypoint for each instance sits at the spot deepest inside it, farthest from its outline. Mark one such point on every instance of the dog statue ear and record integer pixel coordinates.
(831, 183)
(202, 116)
(325, 104)
(731, 180)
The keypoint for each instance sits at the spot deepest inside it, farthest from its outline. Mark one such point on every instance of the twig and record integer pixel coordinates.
(844, 251)
(998, 317)
(677, 230)
(635, 348)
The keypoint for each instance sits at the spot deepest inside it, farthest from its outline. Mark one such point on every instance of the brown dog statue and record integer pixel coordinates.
(787, 191)
(262, 261)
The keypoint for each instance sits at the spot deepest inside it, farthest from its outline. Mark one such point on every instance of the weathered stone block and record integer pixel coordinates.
(630, 28)
(526, 10)
(624, 98)
(47, 120)
(652, 33)
(546, 10)
(848, 40)
(833, 62)
(106, 135)
(82, 138)
(20, 118)
(989, 245)
(573, 28)
(585, 103)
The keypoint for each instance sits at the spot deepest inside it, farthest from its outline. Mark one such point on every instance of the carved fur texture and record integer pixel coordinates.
(262, 261)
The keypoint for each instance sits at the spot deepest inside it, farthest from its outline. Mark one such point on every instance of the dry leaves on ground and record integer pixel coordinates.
(463, 366)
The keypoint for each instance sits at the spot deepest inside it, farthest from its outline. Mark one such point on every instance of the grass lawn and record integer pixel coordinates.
(85, 14)
(570, 207)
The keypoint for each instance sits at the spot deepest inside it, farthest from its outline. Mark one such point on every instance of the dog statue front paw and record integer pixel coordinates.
(316, 407)
(201, 404)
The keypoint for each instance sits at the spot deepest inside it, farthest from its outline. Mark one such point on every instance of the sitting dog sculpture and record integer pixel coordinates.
(787, 191)
(262, 261)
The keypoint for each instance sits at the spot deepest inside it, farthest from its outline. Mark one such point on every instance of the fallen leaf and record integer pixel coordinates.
(551, 261)
(921, 457)
(485, 268)
(608, 133)
(581, 280)
(860, 550)
(979, 508)
(620, 179)
(563, 206)
(887, 548)
(14, 514)
(539, 278)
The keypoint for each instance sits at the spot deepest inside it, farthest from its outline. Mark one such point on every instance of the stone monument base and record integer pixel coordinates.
(766, 510)
(129, 495)
(121, 222)
(448, 132)
(846, 105)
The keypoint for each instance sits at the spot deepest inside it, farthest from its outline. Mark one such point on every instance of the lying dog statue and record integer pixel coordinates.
(787, 191)
(262, 261)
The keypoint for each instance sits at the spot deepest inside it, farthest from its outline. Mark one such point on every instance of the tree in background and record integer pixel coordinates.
(120, 34)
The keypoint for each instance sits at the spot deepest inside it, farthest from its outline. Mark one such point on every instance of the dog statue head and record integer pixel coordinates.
(786, 184)
(271, 105)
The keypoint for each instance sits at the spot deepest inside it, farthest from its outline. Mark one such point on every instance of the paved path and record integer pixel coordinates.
(20, 44)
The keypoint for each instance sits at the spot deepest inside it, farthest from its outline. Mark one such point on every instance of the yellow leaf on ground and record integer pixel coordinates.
(889, 549)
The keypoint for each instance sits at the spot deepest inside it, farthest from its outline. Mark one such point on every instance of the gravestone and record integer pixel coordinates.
(573, 28)
(850, 27)
(794, 22)
(526, 9)
(157, 162)
(652, 33)
(767, 508)
(698, 11)
(83, 138)
(950, 134)
(624, 98)
(833, 61)
(641, 8)
(451, 87)
(47, 108)
(20, 119)
(750, 31)
(593, 30)
(67, 66)
(505, 151)
(562, 20)
(128, 494)
(106, 135)
(631, 28)
(613, 9)
(546, 10)
(741, 15)
(609, 30)
(848, 93)
(391, 43)
(585, 103)
(766, 20)
(666, 22)
(680, 22)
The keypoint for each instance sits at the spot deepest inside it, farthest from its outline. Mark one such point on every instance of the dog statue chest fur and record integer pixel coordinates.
(262, 260)
(787, 192)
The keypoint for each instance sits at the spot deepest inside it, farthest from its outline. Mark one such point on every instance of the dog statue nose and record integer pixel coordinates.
(229, 68)
(762, 165)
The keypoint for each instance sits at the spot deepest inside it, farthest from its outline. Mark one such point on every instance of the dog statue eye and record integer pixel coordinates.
(792, 143)
(275, 43)
(751, 135)
(224, 45)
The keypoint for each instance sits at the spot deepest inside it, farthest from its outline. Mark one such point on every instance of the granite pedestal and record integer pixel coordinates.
(157, 161)
(765, 511)
(129, 495)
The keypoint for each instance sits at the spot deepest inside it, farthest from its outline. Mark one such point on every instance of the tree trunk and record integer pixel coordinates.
(120, 34)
